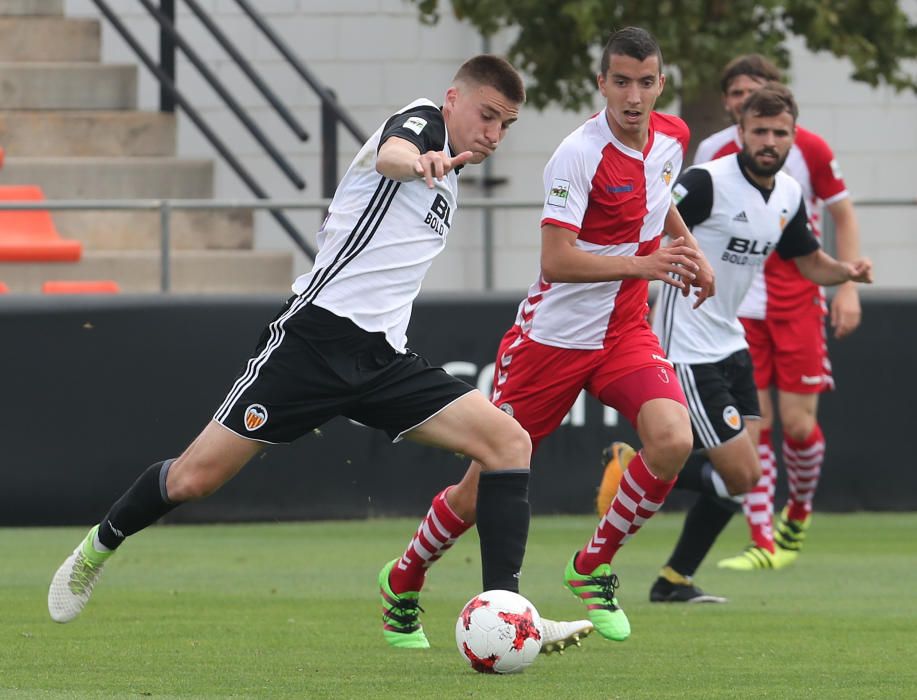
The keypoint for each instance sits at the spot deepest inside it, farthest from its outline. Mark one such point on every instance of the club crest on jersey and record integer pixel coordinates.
(415, 124)
(506, 408)
(667, 170)
(783, 214)
(255, 417)
(560, 189)
(732, 418)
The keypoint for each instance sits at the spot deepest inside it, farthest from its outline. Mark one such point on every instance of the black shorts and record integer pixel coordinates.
(311, 366)
(721, 397)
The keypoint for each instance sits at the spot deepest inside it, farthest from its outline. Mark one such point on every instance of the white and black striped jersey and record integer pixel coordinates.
(737, 224)
(380, 235)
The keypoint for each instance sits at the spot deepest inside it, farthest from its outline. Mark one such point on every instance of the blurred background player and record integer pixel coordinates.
(741, 209)
(338, 345)
(783, 315)
(583, 325)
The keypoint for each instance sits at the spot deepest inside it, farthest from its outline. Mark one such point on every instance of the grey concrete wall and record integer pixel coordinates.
(377, 56)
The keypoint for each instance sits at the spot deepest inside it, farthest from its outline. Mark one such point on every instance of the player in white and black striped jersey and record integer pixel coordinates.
(740, 209)
(338, 347)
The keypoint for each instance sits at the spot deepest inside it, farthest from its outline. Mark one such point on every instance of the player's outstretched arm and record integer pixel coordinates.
(821, 268)
(562, 261)
(401, 160)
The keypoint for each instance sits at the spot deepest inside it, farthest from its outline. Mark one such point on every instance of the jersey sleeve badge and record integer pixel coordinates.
(678, 193)
(560, 189)
(415, 124)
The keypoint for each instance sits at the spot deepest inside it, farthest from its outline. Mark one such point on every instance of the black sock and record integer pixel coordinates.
(697, 475)
(503, 526)
(142, 504)
(705, 521)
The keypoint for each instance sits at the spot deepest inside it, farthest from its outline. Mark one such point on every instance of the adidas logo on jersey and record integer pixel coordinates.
(741, 217)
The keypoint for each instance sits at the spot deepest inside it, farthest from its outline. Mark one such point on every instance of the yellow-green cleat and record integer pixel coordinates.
(754, 558)
(789, 534)
(597, 591)
(401, 615)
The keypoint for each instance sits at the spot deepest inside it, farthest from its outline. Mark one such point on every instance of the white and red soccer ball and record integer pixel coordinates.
(499, 632)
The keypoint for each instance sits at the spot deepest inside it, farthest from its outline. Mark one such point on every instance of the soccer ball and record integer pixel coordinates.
(499, 632)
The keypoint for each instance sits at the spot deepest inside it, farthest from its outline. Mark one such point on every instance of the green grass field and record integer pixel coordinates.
(291, 610)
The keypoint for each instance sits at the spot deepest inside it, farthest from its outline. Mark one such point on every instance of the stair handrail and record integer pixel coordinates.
(167, 25)
(332, 110)
(168, 84)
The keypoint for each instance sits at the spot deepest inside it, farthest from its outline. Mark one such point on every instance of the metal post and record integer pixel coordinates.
(167, 57)
(165, 232)
(329, 148)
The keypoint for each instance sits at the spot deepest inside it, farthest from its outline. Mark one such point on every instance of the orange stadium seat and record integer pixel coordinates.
(30, 235)
(80, 287)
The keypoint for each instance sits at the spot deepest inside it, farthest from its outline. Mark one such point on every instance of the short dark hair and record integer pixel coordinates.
(771, 99)
(631, 41)
(495, 71)
(751, 64)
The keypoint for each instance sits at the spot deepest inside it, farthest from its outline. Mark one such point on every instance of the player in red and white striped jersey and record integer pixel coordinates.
(783, 315)
(583, 325)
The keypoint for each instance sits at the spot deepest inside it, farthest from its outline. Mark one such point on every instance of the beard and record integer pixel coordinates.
(749, 163)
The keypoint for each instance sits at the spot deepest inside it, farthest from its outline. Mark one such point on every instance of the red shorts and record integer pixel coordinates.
(537, 384)
(791, 354)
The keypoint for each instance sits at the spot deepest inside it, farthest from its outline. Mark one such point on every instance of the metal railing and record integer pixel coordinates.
(170, 40)
(166, 207)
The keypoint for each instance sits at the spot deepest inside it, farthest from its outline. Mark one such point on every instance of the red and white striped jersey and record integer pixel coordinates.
(616, 199)
(779, 290)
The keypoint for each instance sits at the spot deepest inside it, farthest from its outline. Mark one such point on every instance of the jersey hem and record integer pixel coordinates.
(247, 437)
(564, 345)
(561, 224)
(836, 198)
(400, 436)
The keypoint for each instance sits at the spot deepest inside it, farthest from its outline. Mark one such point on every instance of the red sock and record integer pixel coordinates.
(440, 528)
(639, 496)
(758, 503)
(803, 460)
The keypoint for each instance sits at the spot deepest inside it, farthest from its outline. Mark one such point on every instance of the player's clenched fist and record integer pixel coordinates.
(435, 164)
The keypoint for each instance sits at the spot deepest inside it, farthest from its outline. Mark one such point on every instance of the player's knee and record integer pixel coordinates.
(799, 428)
(513, 448)
(191, 482)
(742, 481)
(668, 451)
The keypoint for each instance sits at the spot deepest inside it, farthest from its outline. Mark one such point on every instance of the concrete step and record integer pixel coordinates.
(68, 86)
(31, 7)
(212, 229)
(193, 272)
(78, 133)
(49, 39)
(113, 178)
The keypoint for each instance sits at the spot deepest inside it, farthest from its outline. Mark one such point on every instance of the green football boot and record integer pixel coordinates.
(753, 558)
(790, 534)
(597, 591)
(401, 615)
